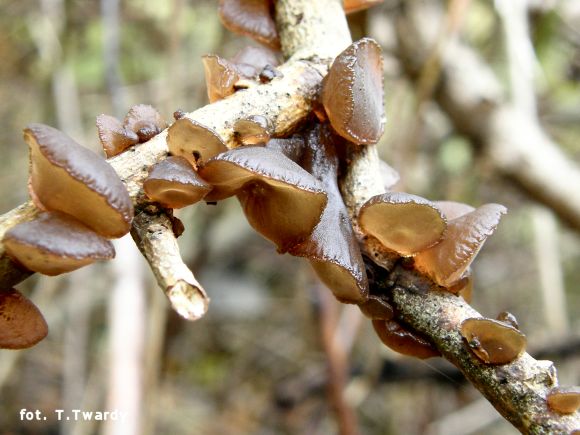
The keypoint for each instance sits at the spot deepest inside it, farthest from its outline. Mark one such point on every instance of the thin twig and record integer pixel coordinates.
(153, 233)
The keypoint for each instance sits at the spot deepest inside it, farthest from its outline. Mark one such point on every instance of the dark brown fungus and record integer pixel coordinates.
(402, 222)
(332, 247)
(564, 400)
(114, 137)
(220, 77)
(178, 114)
(281, 200)
(377, 308)
(173, 183)
(447, 261)
(351, 6)
(193, 141)
(493, 342)
(251, 18)
(56, 243)
(402, 340)
(21, 323)
(254, 130)
(64, 176)
(352, 93)
(145, 121)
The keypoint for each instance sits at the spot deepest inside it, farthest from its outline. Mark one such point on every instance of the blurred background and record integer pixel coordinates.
(258, 363)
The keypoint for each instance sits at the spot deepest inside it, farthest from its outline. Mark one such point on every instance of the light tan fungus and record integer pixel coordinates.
(447, 261)
(254, 130)
(493, 342)
(352, 93)
(64, 176)
(193, 141)
(220, 77)
(564, 400)
(402, 222)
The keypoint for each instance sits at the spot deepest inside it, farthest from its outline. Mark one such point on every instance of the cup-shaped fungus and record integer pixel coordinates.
(352, 93)
(56, 243)
(564, 400)
(463, 287)
(254, 130)
(65, 176)
(493, 342)
(281, 200)
(508, 318)
(21, 323)
(145, 121)
(402, 340)
(402, 222)
(452, 210)
(114, 137)
(377, 308)
(351, 6)
(173, 183)
(332, 248)
(220, 77)
(250, 61)
(252, 18)
(447, 261)
(193, 141)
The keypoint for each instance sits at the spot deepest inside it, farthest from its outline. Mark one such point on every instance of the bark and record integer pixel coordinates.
(517, 390)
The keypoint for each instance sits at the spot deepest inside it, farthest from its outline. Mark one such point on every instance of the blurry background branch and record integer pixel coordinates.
(510, 137)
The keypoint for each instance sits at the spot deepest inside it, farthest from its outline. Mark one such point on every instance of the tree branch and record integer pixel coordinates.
(517, 390)
(154, 235)
(285, 102)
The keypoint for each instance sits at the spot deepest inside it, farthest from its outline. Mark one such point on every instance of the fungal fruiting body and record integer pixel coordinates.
(55, 243)
(21, 323)
(352, 93)
(193, 141)
(492, 341)
(66, 177)
(403, 340)
(281, 200)
(332, 248)
(252, 18)
(403, 222)
(447, 261)
(174, 184)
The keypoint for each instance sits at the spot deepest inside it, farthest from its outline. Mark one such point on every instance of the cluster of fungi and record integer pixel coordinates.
(287, 186)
